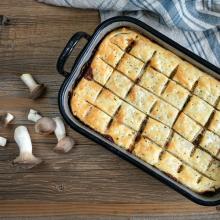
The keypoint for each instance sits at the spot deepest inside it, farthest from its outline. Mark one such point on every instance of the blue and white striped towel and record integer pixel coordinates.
(194, 24)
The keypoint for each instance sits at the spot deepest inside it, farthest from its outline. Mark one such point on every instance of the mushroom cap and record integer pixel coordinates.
(45, 126)
(65, 145)
(27, 161)
(38, 91)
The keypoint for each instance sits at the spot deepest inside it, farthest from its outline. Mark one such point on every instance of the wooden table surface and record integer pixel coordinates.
(90, 182)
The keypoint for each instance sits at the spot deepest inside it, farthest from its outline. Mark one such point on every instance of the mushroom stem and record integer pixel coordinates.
(33, 115)
(3, 141)
(60, 130)
(36, 90)
(29, 81)
(23, 140)
(65, 143)
(6, 119)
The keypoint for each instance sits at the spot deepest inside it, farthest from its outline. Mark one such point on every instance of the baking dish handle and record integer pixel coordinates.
(68, 50)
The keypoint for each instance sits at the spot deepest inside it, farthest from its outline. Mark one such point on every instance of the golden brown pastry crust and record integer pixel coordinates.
(97, 120)
(130, 116)
(164, 112)
(187, 127)
(130, 66)
(101, 71)
(175, 94)
(180, 146)
(211, 143)
(164, 61)
(187, 75)
(143, 49)
(88, 90)
(141, 99)
(121, 134)
(119, 84)
(208, 89)
(215, 123)
(155, 105)
(153, 81)
(147, 151)
(157, 132)
(199, 110)
(108, 102)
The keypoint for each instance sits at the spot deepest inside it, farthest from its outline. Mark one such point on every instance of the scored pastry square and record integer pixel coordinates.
(208, 89)
(214, 171)
(100, 70)
(97, 119)
(175, 94)
(200, 160)
(123, 37)
(88, 90)
(205, 184)
(141, 99)
(119, 84)
(108, 102)
(110, 53)
(169, 164)
(187, 127)
(199, 110)
(211, 143)
(190, 177)
(143, 49)
(79, 106)
(187, 75)
(156, 131)
(180, 147)
(164, 61)
(147, 151)
(218, 106)
(153, 80)
(130, 66)
(164, 112)
(121, 134)
(130, 116)
(215, 123)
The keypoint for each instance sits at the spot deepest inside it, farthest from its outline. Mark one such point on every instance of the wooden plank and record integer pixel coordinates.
(90, 182)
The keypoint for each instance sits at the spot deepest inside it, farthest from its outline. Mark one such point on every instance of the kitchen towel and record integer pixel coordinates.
(195, 24)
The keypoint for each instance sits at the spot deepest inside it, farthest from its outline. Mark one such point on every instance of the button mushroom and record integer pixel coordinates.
(3, 141)
(36, 90)
(26, 159)
(65, 143)
(6, 119)
(43, 125)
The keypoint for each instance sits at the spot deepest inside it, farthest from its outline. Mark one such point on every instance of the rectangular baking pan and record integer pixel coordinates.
(76, 73)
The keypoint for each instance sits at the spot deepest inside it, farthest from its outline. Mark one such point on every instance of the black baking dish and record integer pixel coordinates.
(76, 72)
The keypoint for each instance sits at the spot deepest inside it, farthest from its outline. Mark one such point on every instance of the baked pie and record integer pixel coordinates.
(155, 105)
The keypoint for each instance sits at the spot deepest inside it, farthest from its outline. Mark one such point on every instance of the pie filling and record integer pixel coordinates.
(157, 106)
